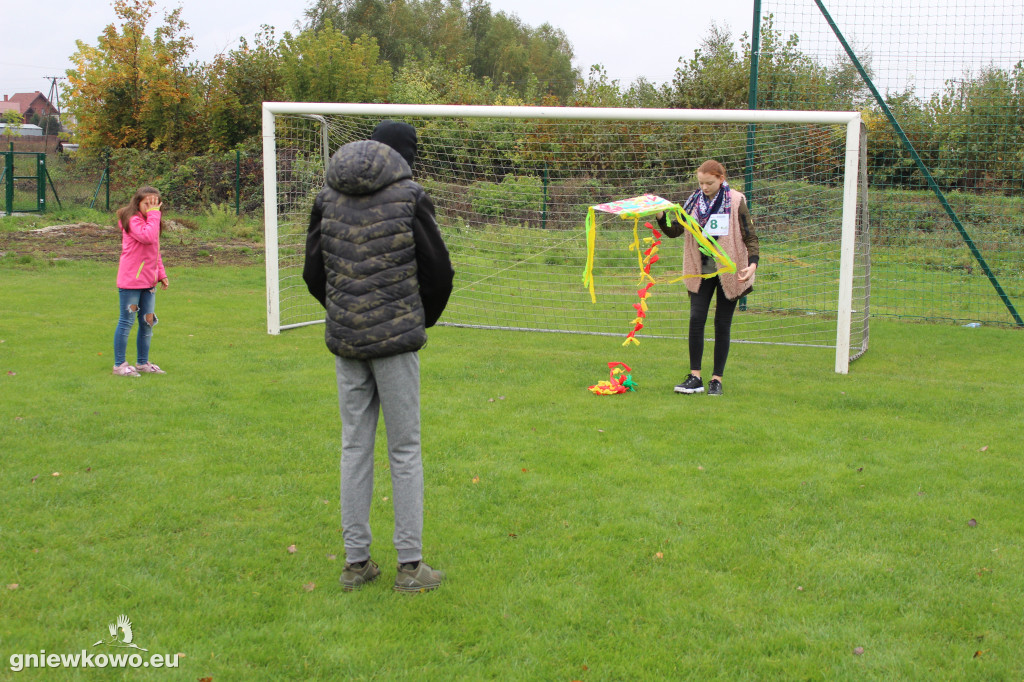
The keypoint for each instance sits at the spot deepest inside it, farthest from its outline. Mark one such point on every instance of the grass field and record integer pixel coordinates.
(805, 525)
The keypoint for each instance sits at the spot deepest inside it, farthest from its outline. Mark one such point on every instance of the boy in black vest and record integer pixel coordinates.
(376, 261)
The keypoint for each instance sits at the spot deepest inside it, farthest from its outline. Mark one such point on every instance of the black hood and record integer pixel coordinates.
(398, 135)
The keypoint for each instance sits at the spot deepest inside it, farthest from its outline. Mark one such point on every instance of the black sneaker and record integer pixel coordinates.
(693, 384)
(714, 387)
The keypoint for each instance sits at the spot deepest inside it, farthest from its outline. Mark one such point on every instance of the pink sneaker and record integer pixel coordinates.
(149, 368)
(125, 370)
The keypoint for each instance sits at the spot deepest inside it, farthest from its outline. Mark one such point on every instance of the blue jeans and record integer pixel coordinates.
(140, 302)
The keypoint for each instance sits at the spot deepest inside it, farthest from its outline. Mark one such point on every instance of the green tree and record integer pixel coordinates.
(978, 125)
(715, 78)
(12, 120)
(49, 124)
(237, 84)
(498, 48)
(325, 66)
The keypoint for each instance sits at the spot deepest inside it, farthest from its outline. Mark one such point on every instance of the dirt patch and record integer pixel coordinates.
(89, 241)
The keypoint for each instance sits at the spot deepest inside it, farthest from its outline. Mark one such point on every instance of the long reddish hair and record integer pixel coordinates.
(125, 214)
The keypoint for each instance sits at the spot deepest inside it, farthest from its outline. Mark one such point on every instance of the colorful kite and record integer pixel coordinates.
(634, 209)
(618, 380)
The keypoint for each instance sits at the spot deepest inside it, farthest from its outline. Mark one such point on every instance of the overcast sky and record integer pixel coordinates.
(44, 35)
(644, 38)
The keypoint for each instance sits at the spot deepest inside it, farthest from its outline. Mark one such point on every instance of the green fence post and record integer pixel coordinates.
(544, 214)
(238, 172)
(107, 173)
(41, 182)
(9, 175)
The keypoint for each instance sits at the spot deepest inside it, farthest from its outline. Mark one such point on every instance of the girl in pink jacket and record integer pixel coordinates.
(138, 273)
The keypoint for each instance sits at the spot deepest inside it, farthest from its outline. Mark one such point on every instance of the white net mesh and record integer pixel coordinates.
(512, 195)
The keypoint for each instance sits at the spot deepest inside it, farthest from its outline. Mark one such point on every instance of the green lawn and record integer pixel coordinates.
(806, 525)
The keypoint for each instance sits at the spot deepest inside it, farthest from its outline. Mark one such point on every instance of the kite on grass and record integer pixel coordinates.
(635, 208)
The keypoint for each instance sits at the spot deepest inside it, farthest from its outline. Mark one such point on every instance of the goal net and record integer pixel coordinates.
(512, 187)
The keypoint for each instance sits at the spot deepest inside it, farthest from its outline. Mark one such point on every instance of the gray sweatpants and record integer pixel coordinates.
(365, 387)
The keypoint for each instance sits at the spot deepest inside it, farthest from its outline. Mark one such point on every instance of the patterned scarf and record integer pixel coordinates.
(701, 208)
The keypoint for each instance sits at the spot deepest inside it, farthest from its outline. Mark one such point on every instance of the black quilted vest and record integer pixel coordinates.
(373, 302)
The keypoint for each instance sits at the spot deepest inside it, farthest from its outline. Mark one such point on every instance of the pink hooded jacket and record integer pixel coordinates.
(141, 266)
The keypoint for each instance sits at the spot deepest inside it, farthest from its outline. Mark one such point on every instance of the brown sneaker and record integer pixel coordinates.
(353, 578)
(420, 579)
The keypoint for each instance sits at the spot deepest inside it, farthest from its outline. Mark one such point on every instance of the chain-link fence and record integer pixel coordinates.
(230, 180)
(941, 86)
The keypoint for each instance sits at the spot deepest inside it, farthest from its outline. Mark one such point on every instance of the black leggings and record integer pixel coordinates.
(700, 302)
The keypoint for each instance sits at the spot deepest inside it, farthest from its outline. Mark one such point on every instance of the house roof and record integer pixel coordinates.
(23, 100)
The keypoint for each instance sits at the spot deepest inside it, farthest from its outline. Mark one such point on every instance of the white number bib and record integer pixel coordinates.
(717, 225)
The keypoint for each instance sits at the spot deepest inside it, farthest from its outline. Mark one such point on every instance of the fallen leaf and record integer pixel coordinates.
(309, 587)
(501, 397)
(476, 479)
(859, 651)
(384, 499)
(700, 468)
(490, 400)
(55, 473)
(600, 430)
(205, 679)
(513, 536)
(88, 469)
(11, 373)
(799, 588)
(525, 470)
(34, 478)
(980, 653)
(983, 447)
(972, 523)
(659, 555)
(292, 549)
(332, 557)
(12, 586)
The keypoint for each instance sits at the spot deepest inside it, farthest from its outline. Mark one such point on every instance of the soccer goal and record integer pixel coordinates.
(512, 187)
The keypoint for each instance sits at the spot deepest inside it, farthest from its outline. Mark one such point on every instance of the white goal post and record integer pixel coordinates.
(511, 186)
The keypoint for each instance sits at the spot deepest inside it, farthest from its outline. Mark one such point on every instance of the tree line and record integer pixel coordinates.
(136, 88)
